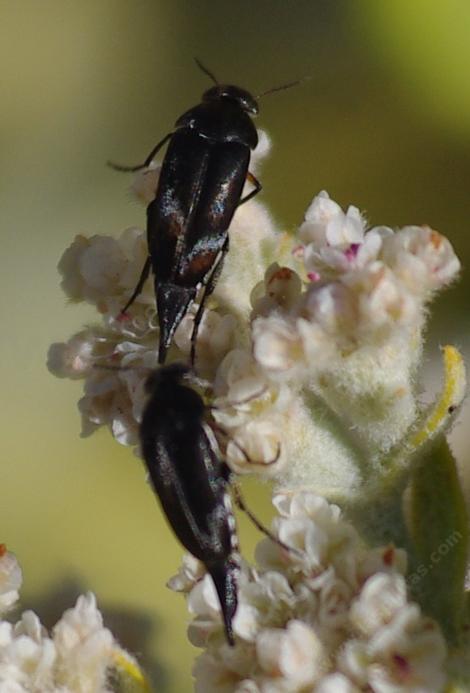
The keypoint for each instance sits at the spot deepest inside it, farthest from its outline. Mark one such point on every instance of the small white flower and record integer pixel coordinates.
(145, 183)
(421, 257)
(280, 288)
(266, 599)
(259, 442)
(212, 675)
(84, 646)
(190, 573)
(326, 223)
(381, 597)
(277, 345)
(333, 308)
(336, 683)
(215, 337)
(329, 262)
(75, 358)
(204, 603)
(104, 271)
(383, 303)
(27, 663)
(294, 654)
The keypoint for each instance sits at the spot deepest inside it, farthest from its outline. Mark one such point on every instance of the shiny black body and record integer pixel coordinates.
(200, 186)
(190, 480)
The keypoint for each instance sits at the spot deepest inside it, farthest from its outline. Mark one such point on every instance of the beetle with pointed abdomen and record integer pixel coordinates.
(200, 187)
(193, 482)
(190, 480)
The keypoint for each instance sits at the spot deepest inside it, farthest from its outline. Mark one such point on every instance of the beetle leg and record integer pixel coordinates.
(148, 160)
(208, 289)
(139, 287)
(258, 187)
(240, 501)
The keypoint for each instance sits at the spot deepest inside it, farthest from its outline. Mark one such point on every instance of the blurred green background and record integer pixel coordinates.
(383, 123)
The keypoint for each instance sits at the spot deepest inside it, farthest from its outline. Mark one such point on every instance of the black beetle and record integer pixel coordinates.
(193, 483)
(190, 480)
(200, 186)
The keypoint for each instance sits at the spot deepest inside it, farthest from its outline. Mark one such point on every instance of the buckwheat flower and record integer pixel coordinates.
(386, 312)
(421, 257)
(281, 288)
(77, 657)
(191, 572)
(339, 350)
(326, 223)
(10, 579)
(104, 271)
(315, 528)
(28, 658)
(215, 338)
(203, 603)
(402, 651)
(336, 683)
(75, 359)
(332, 308)
(255, 414)
(83, 645)
(308, 618)
(268, 599)
(308, 358)
(381, 598)
(114, 398)
(144, 185)
(294, 655)
(256, 443)
(330, 261)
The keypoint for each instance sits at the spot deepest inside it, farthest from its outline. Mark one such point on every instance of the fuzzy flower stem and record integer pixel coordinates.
(329, 421)
(383, 499)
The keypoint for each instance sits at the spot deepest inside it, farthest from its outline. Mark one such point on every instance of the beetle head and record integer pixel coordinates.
(237, 95)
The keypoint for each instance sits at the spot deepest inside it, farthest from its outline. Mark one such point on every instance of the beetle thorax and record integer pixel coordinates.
(237, 95)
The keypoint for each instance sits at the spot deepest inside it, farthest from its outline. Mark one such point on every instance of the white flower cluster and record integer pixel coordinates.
(365, 290)
(311, 372)
(74, 658)
(353, 334)
(330, 617)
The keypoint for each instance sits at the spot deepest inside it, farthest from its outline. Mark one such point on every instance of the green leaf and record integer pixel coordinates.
(440, 539)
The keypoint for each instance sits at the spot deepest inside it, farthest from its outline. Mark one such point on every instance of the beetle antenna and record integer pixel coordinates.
(281, 87)
(206, 71)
